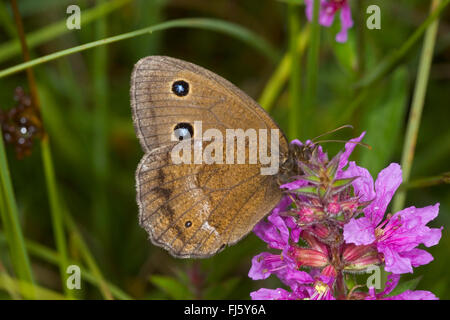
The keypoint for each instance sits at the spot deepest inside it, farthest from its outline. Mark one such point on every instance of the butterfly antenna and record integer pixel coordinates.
(332, 131)
(365, 145)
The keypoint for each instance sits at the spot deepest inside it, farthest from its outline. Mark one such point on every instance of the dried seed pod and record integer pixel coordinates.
(21, 124)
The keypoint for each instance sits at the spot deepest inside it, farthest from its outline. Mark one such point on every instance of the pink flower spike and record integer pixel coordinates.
(346, 23)
(339, 225)
(327, 12)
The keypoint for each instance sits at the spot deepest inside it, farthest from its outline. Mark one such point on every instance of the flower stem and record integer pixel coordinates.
(341, 287)
(296, 77)
(56, 211)
(417, 105)
(312, 68)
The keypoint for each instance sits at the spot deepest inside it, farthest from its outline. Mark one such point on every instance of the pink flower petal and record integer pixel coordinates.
(415, 220)
(346, 16)
(282, 206)
(391, 283)
(295, 229)
(349, 147)
(326, 15)
(299, 277)
(388, 180)
(294, 185)
(279, 223)
(359, 231)
(270, 234)
(363, 185)
(271, 294)
(433, 237)
(346, 23)
(297, 142)
(418, 257)
(257, 271)
(394, 262)
(414, 295)
(309, 9)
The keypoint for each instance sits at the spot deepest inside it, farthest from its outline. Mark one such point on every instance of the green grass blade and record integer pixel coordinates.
(10, 217)
(57, 125)
(27, 289)
(100, 120)
(88, 257)
(56, 212)
(9, 284)
(173, 287)
(6, 21)
(295, 81)
(228, 28)
(312, 69)
(415, 115)
(11, 48)
(37, 250)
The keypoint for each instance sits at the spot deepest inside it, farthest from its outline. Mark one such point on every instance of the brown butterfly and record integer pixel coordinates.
(196, 210)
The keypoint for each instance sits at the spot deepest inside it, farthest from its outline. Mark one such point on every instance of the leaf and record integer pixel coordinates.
(384, 123)
(407, 285)
(235, 257)
(345, 53)
(308, 190)
(223, 289)
(172, 287)
(342, 182)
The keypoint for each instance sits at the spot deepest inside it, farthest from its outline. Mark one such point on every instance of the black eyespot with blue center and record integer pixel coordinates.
(180, 88)
(183, 131)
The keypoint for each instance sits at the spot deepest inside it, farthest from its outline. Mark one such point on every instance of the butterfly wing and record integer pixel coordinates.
(195, 210)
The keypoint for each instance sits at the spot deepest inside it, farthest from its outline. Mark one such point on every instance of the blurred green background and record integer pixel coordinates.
(84, 100)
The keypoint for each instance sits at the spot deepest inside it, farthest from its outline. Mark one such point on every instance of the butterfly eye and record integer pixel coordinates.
(180, 88)
(188, 224)
(183, 131)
